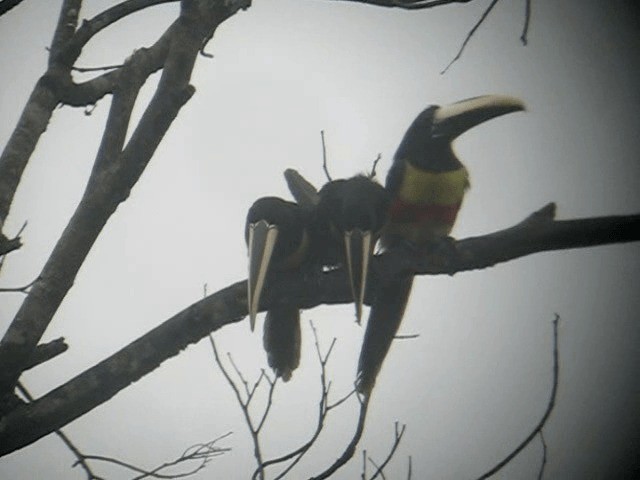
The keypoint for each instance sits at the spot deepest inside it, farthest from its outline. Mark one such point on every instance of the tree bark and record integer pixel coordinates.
(538, 233)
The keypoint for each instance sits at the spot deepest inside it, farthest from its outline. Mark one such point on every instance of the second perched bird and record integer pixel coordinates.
(427, 182)
(276, 233)
(351, 214)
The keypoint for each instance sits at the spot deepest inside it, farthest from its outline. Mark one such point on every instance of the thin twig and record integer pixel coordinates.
(470, 34)
(527, 20)
(409, 470)
(396, 442)
(24, 289)
(543, 420)
(81, 458)
(544, 455)
(324, 157)
(408, 4)
(372, 174)
(377, 467)
(364, 464)
(96, 69)
(244, 406)
(406, 337)
(323, 409)
(348, 452)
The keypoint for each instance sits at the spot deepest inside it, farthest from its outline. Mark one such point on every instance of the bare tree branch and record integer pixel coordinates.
(348, 452)
(244, 404)
(8, 245)
(201, 452)
(540, 232)
(543, 463)
(470, 34)
(407, 4)
(396, 441)
(527, 20)
(6, 5)
(24, 289)
(324, 157)
(547, 413)
(46, 351)
(70, 445)
(90, 28)
(116, 172)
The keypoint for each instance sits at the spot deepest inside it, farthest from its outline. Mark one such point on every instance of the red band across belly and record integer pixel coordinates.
(404, 212)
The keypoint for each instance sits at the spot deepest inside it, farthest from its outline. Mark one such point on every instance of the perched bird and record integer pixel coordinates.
(350, 216)
(427, 182)
(277, 237)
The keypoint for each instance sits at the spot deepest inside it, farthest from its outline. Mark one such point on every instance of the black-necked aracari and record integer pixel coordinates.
(350, 216)
(427, 183)
(277, 236)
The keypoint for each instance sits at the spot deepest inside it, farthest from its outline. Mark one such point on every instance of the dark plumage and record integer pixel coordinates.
(350, 217)
(427, 183)
(277, 236)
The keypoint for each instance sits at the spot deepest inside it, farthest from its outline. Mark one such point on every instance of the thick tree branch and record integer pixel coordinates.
(90, 28)
(115, 173)
(46, 351)
(6, 5)
(35, 116)
(95, 386)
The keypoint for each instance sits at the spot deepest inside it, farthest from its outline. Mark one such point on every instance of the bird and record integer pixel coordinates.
(278, 241)
(427, 183)
(350, 216)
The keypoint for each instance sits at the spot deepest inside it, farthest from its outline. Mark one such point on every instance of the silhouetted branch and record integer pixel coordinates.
(324, 408)
(96, 69)
(372, 174)
(24, 289)
(70, 445)
(201, 452)
(349, 451)
(6, 5)
(470, 34)
(527, 20)
(396, 441)
(407, 4)
(46, 351)
(125, 165)
(543, 462)
(8, 245)
(538, 233)
(90, 28)
(324, 157)
(244, 404)
(547, 413)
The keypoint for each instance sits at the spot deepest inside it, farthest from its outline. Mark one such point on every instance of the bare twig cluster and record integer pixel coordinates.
(537, 430)
(290, 459)
(201, 453)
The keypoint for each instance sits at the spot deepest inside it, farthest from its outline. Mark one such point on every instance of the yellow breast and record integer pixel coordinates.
(433, 188)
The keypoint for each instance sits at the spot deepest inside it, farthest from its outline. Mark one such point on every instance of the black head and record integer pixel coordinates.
(288, 217)
(427, 142)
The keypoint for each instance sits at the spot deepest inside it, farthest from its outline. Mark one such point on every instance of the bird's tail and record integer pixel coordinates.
(384, 320)
(281, 339)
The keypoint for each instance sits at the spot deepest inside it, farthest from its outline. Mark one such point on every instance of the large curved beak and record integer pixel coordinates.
(262, 240)
(358, 247)
(450, 121)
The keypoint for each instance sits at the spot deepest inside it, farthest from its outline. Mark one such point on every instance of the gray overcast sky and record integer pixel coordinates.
(478, 377)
